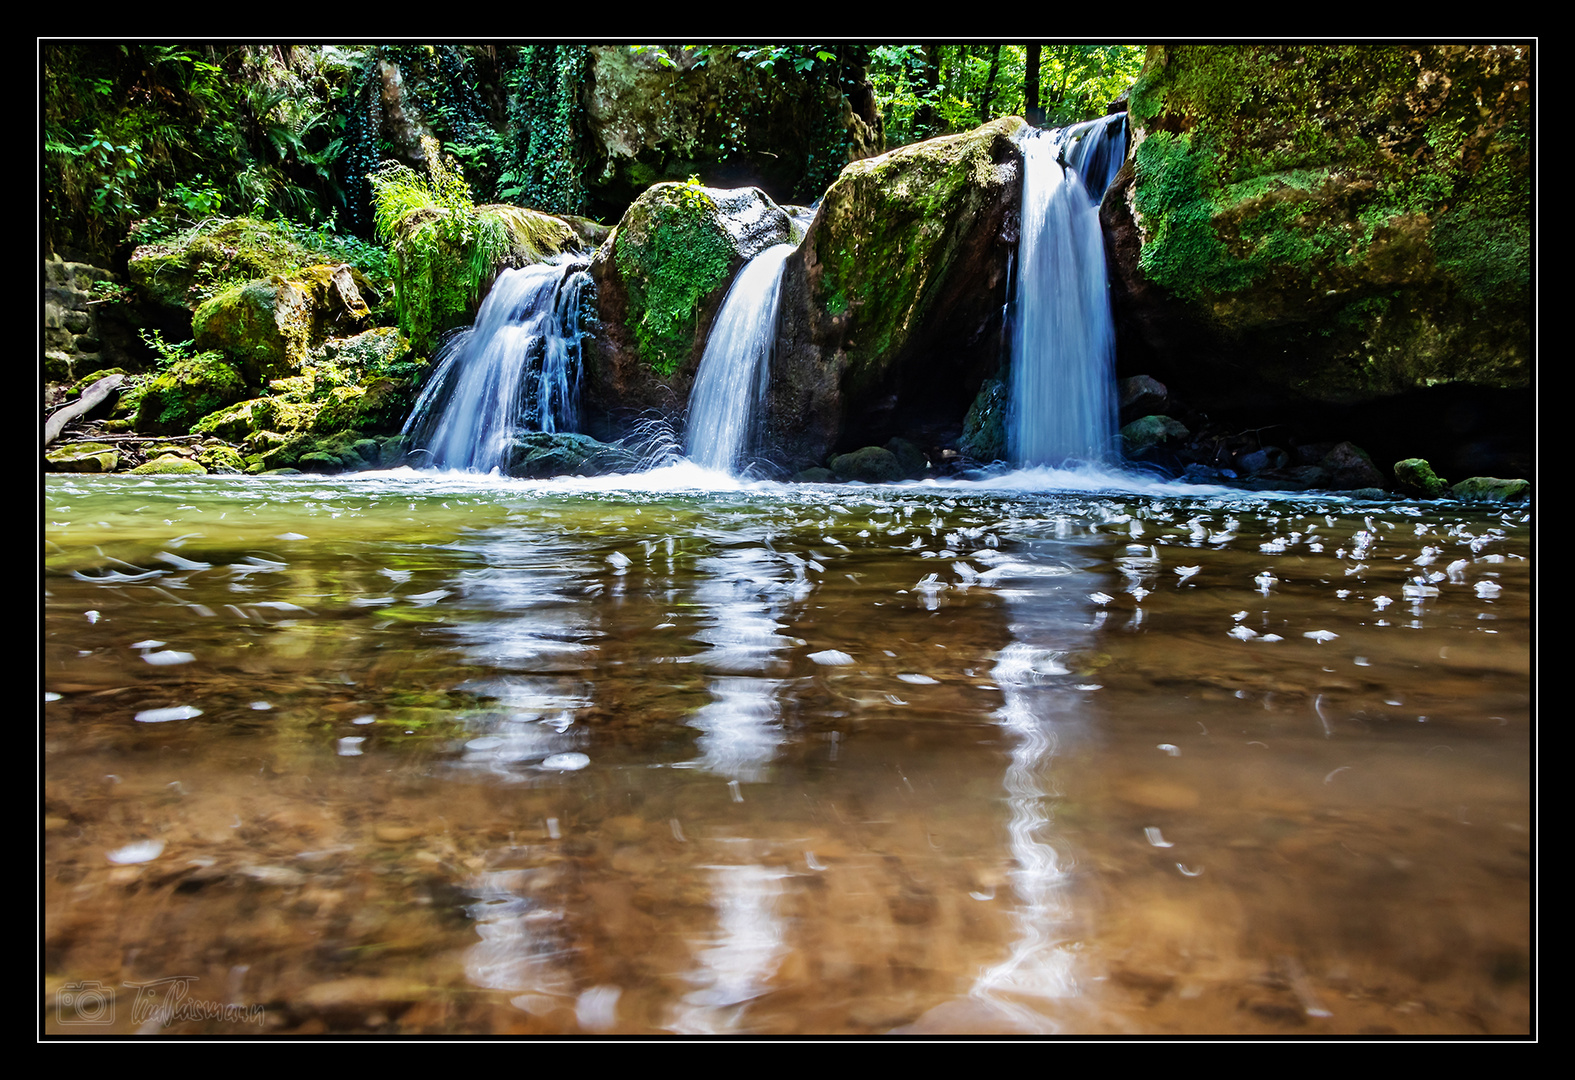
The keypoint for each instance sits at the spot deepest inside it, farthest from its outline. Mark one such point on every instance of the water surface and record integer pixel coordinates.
(407, 753)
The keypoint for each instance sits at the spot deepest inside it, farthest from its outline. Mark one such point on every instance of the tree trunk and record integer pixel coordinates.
(989, 86)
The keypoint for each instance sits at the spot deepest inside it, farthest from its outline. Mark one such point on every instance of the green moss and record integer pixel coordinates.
(191, 389)
(672, 253)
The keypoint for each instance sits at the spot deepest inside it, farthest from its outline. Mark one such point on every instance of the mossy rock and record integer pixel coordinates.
(186, 273)
(85, 457)
(660, 279)
(1415, 474)
(543, 454)
(984, 427)
(219, 458)
(379, 406)
(892, 304)
(265, 325)
(170, 465)
(191, 389)
(1334, 223)
(1491, 489)
(1152, 431)
(868, 465)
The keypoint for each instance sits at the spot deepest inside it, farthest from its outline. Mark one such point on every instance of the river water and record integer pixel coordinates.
(672, 753)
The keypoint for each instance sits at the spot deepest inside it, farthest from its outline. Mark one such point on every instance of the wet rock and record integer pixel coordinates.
(869, 465)
(1415, 474)
(891, 306)
(1139, 396)
(91, 457)
(170, 465)
(1151, 431)
(540, 454)
(1491, 489)
(1350, 468)
(984, 427)
(660, 279)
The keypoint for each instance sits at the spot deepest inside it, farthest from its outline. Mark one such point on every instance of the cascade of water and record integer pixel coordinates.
(1063, 341)
(517, 368)
(730, 387)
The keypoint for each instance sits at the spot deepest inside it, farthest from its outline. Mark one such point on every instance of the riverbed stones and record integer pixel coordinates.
(87, 457)
(1491, 489)
(1415, 474)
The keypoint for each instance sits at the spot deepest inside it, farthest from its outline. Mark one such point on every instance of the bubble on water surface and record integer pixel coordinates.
(150, 643)
(261, 706)
(1320, 636)
(1486, 589)
(140, 852)
(350, 745)
(1243, 632)
(569, 762)
(918, 680)
(50, 695)
(168, 657)
(1155, 838)
(160, 716)
(831, 657)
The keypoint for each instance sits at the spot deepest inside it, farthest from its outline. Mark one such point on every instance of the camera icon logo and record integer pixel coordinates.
(85, 1002)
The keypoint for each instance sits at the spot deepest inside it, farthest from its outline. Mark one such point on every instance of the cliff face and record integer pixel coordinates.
(1327, 224)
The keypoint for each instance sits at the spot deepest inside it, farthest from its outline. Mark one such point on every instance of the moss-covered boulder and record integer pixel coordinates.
(892, 304)
(1151, 431)
(1328, 224)
(269, 325)
(89, 457)
(660, 279)
(984, 426)
(170, 465)
(189, 390)
(447, 258)
(1415, 474)
(1491, 489)
(736, 120)
(867, 465)
(184, 271)
(540, 454)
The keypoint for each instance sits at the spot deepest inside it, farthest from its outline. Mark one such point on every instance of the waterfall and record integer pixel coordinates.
(517, 368)
(730, 388)
(1063, 341)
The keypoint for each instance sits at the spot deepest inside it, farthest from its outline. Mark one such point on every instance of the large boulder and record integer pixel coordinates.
(736, 120)
(269, 325)
(891, 307)
(190, 389)
(1327, 224)
(660, 279)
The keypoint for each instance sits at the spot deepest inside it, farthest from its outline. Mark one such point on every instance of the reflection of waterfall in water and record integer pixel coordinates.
(517, 368)
(1040, 704)
(742, 591)
(1063, 341)
(729, 395)
(523, 947)
(532, 639)
(738, 961)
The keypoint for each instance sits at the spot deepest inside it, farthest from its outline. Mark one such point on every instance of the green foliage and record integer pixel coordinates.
(541, 166)
(443, 248)
(926, 91)
(131, 127)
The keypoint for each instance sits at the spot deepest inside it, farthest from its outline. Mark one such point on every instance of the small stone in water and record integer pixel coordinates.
(140, 852)
(159, 716)
(566, 762)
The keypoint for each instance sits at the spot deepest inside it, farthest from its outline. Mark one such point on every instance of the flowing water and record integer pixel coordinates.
(729, 394)
(674, 753)
(1062, 336)
(516, 369)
